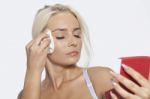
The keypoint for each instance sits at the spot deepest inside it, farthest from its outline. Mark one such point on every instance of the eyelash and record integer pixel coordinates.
(77, 36)
(60, 37)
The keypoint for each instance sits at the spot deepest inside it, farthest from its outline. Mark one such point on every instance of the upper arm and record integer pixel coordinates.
(101, 79)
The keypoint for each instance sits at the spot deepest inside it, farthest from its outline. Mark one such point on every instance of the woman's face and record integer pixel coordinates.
(66, 32)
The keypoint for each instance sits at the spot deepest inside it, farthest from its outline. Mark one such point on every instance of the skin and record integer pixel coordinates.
(141, 92)
(64, 79)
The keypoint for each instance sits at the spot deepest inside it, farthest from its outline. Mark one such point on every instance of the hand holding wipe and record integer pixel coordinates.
(51, 48)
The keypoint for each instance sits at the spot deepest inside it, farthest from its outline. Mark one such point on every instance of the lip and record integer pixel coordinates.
(73, 53)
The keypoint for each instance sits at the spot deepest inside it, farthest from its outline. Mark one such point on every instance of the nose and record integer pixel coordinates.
(72, 41)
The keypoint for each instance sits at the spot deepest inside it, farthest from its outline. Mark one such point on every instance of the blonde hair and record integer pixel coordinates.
(41, 21)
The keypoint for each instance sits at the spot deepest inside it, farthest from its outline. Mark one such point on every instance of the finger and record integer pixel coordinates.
(137, 76)
(128, 84)
(45, 43)
(40, 38)
(29, 44)
(46, 30)
(123, 92)
(113, 96)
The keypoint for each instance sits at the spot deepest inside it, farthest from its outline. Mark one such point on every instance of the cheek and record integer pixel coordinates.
(80, 44)
(59, 55)
(59, 51)
(59, 47)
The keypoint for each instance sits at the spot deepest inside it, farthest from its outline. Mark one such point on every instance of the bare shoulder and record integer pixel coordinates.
(101, 78)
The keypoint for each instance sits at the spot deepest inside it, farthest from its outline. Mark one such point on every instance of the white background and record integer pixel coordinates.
(117, 28)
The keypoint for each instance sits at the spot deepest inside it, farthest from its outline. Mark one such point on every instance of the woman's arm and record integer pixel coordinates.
(101, 79)
(31, 88)
(37, 51)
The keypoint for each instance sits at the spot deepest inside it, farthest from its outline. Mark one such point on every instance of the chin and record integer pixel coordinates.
(73, 59)
(70, 62)
(65, 61)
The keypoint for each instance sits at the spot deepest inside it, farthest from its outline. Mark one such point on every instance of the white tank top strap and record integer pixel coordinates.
(89, 84)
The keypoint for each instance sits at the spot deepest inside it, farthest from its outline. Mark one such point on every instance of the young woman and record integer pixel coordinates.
(64, 79)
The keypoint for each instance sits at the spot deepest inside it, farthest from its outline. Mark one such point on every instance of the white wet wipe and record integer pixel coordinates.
(51, 48)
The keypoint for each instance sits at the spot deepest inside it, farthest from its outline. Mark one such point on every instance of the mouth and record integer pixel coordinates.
(73, 53)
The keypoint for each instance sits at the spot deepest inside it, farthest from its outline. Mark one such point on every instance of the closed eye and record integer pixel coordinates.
(60, 37)
(77, 36)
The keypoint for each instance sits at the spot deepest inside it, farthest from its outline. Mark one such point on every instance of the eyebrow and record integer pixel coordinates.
(75, 29)
(65, 29)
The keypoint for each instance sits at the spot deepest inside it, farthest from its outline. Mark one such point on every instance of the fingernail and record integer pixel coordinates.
(48, 33)
(45, 39)
(111, 93)
(41, 42)
(48, 38)
(114, 83)
(125, 66)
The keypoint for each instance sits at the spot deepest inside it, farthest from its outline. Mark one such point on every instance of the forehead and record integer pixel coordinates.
(63, 20)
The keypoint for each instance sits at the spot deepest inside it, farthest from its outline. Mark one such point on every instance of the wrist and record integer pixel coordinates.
(33, 70)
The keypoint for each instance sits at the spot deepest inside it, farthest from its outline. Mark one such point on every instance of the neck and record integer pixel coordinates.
(56, 75)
